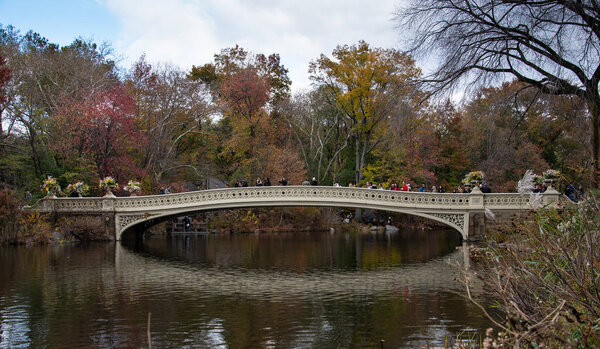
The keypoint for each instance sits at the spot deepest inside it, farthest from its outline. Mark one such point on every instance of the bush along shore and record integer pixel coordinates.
(20, 226)
(544, 276)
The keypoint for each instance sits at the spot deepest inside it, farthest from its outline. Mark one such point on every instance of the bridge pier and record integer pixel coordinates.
(476, 226)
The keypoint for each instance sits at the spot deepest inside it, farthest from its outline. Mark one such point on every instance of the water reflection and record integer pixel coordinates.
(316, 290)
(303, 251)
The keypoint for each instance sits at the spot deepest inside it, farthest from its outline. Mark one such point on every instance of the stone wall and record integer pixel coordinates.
(479, 224)
(87, 227)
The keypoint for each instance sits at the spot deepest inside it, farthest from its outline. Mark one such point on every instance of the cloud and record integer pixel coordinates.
(190, 32)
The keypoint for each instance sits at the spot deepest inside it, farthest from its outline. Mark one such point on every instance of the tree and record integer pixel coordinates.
(495, 130)
(449, 127)
(100, 132)
(552, 45)
(5, 75)
(234, 61)
(321, 133)
(367, 85)
(409, 149)
(44, 75)
(245, 93)
(246, 88)
(172, 111)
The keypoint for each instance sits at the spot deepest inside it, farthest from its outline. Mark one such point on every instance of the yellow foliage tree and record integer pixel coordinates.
(368, 85)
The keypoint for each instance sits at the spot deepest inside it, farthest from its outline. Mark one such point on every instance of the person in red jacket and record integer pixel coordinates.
(404, 186)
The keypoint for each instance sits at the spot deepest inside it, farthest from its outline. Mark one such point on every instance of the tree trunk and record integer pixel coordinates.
(363, 155)
(357, 172)
(34, 154)
(594, 108)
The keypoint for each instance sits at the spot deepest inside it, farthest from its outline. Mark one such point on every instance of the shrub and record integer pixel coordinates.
(547, 280)
(83, 228)
(21, 227)
(10, 211)
(34, 228)
(272, 219)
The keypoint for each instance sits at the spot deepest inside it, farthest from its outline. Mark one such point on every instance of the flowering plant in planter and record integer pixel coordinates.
(132, 187)
(551, 175)
(473, 177)
(79, 187)
(51, 185)
(108, 184)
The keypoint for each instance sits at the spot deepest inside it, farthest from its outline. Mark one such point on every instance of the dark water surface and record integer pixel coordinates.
(280, 290)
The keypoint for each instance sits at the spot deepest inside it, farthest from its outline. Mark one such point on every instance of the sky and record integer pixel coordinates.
(189, 32)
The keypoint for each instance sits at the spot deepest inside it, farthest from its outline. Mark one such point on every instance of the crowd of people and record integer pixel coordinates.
(573, 192)
(406, 186)
(259, 182)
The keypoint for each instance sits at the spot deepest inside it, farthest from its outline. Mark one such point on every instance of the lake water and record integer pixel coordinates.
(275, 290)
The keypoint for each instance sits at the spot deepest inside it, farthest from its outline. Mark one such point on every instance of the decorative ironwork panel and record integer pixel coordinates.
(125, 220)
(458, 219)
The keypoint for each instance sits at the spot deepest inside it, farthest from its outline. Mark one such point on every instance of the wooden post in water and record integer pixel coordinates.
(149, 336)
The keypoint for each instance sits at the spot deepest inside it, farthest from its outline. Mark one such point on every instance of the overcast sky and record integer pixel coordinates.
(190, 32)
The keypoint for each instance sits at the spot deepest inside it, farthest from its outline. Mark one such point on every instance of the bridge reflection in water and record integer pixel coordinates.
(433, 275)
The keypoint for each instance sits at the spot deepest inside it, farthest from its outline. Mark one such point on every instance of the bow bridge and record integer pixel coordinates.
(118, 215)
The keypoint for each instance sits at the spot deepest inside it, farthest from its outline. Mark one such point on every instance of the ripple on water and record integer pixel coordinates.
(14, 319)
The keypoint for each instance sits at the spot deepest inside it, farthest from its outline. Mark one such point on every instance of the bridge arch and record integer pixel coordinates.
(449, 209)
(129, 223)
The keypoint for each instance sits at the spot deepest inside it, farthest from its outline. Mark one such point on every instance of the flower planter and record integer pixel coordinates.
(108, 184)
(133, 187)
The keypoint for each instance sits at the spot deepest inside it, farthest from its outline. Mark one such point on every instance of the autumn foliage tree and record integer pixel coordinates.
(495, 131)
(67, 110)
(448, 126)
(247, 88)
(45, 75)
(99, 134)
(368, 85)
